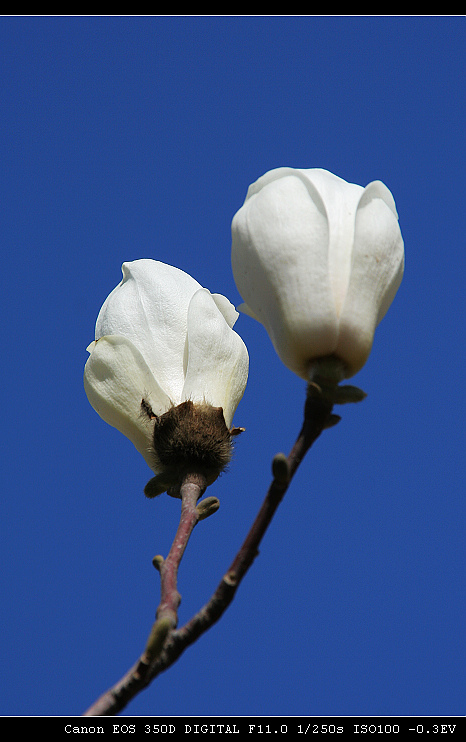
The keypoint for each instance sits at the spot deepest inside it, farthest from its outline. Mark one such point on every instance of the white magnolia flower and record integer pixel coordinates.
(318, 262)
(160, 340)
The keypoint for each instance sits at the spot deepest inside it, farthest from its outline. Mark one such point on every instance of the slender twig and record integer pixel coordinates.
(317, 416)
(191, 489)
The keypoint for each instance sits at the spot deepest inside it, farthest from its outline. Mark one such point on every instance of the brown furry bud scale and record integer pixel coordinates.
(191, 437)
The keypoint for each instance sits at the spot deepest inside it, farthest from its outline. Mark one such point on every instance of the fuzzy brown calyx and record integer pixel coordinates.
(191, 437)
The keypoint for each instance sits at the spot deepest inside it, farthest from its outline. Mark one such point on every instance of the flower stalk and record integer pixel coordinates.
(159, 655)
(191, 489)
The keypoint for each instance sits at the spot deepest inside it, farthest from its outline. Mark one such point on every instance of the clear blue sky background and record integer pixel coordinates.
(131, 137)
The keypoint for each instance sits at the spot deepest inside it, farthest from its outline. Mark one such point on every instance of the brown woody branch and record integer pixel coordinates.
(166, 643)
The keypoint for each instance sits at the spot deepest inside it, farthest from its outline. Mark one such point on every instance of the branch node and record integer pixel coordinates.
(158, 561)
(156, 639)
(281, 469)
(231, 579)
(331, 421)
(348, 393)
(207, 506)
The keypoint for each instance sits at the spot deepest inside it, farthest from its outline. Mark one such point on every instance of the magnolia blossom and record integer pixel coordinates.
(318, 262)
(160, 340)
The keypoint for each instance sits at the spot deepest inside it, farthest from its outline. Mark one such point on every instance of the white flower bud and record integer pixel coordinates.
(161, 341)
(318, 262)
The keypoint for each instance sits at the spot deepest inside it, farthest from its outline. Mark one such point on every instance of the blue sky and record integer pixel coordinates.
(131, 137)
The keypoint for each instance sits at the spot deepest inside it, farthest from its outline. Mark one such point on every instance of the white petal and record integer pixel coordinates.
(217, 357)
(341, 200)
(149, 307)
(226, 308)
(116, 380)
(280, 256)
(376, 272)
(377, 189)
